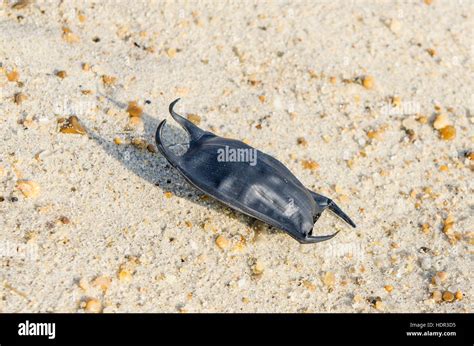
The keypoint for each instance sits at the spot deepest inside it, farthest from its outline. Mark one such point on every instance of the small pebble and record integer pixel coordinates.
(72, 126)
(82, 18)
(83, 284)
(431, 52)
(118, 140)
(437, 296)
(373, 134)
(134, 123)
(69, 37)
(29, 188)
(329, 279)
(448, 224)
(302, 141)
(21, 4)
(396, 101)
(253, 80)
(442, 276)
(312, 74)
(459, 295)
(134, 110)
(13, 76)
(61, 74)
(168, 194)
(64, 220)
(222, 242)
(368, 82)
(171, 52)
(109, 80)
(448, 133)
(409, 123)
(151, 148)
(124, 275)
(422, 119)
(93, 306)
(139, 143)
(310, 164)
(425, 228)
(441, 121)
(388, 288)
(448, 296)
(19, 98)
(262, 98)
(209, 227)
(395, 26)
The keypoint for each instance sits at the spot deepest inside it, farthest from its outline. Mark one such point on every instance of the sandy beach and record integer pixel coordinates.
(367, 102)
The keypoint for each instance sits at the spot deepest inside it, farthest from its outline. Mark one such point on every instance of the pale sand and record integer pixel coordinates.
(220, 57)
